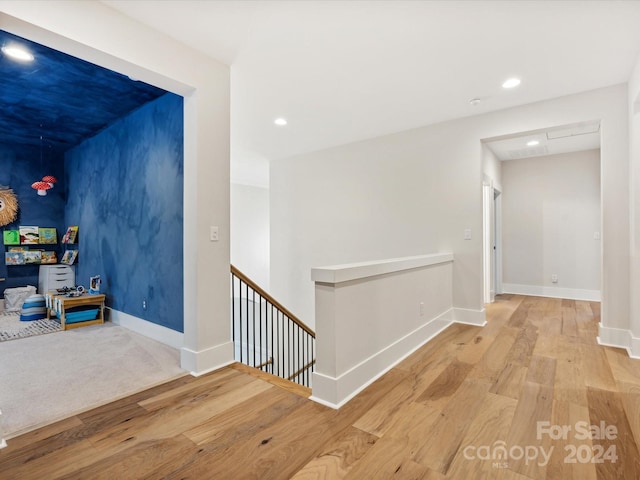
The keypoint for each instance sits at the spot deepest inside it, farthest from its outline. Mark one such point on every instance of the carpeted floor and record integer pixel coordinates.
(11, 328)
(46, 378)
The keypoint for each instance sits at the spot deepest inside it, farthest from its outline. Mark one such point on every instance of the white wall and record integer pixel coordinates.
(416, 192)
(634, 155)
(371, 315)
(491, 167)
(250, 232)
(389, 197)
(121, 44)
(551, 210)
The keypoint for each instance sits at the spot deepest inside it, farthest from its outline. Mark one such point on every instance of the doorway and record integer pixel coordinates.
(551, 215)
(492, 262)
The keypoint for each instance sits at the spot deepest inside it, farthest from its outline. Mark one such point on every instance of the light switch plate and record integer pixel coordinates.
(214, 234)
(467, 234)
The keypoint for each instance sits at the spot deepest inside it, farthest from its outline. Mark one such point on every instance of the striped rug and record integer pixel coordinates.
(11, 328)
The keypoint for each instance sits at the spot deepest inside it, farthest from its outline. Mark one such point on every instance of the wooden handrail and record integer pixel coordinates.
(264, 364)
(300, 370)
(268, 297)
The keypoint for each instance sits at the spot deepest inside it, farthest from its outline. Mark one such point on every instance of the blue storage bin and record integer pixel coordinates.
(83, 316)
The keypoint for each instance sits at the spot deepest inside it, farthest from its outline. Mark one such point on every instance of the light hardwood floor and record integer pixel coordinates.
(440, 414)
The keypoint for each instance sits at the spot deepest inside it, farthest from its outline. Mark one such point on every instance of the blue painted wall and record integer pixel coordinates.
(19, 168)
(125, 192)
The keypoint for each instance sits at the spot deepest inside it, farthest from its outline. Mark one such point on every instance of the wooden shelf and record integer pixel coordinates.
(69, 302)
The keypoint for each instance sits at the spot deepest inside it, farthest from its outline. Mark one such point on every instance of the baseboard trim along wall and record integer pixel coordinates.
(196, 363)
(470, 317)
(207, 360)
(148, 329)
(342, 389)
(552, 292)
(3, 442)
(619, 338)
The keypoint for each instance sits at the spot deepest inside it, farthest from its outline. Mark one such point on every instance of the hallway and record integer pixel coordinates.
(534, 378)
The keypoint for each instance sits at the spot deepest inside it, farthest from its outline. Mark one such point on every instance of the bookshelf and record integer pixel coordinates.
(30, 245)
(35, 245)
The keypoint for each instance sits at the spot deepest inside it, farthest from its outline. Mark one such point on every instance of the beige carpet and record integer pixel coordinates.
(49, 377)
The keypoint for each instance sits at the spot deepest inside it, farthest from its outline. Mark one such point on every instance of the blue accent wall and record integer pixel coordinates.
(19, 168)
(125, 192)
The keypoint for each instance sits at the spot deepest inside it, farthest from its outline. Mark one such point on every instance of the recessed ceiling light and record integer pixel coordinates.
(475, 101)
(532, 143)
(18, 53)
(510, 83)
(280, 121)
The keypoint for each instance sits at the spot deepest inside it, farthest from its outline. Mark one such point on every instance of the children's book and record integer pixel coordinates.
(18, 249)
(47, 235)
(69, 257)
(48, 257)
(71, 234)
(32, 257)
(14, 258)
(29, 235)
(11, 237)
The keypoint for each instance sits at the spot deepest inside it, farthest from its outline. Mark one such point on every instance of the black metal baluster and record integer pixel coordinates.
(240, 320)
(281, 340)
(289, 349)
(253, 327)
(272, 350)
(299, 348)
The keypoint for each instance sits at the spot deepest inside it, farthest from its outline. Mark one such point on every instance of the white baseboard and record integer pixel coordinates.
(470, 317)
(335, 392)
(148, 329)
(552, 292)
(620, 338)
(3, 442)
(207, 360)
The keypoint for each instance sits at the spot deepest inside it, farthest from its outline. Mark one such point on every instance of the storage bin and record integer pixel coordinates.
(15, 297)
(81, 314)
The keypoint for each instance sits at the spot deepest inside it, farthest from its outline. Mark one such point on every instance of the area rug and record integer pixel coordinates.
(11, 328)
(46, 378)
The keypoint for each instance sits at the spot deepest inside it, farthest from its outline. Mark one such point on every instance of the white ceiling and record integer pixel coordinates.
(343, 71)
(552, 141)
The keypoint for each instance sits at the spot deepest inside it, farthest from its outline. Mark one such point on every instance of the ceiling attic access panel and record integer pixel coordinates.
(60, 100)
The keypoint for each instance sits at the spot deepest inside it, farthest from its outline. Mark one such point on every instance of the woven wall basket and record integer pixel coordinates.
(8, 207)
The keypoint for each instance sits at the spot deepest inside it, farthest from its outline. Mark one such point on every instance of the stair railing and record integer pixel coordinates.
(266, 335)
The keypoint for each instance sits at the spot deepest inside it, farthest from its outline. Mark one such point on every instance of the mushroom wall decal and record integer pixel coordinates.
(41, 187)
(50, 179)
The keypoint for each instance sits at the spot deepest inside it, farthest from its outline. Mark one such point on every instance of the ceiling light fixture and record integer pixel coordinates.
(532, 143)
(18, 53)
(474, 101)
(511, 83)
(280, 121)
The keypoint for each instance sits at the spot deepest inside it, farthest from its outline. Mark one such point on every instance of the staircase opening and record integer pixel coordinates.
(267, 336)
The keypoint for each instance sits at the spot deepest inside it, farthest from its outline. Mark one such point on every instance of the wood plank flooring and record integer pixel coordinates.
(512, 400)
